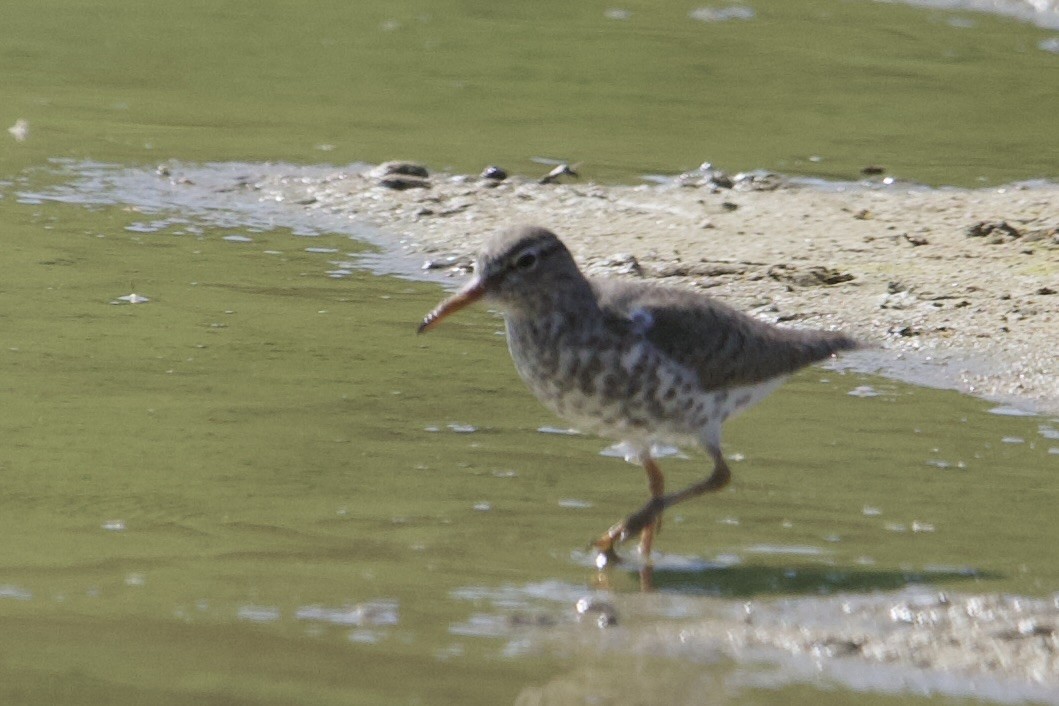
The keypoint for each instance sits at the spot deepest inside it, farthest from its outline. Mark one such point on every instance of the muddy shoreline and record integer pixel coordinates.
(987, 647)
(958, 288)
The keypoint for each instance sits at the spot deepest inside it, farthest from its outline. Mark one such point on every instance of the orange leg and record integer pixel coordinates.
(656, 483)
(644, 521)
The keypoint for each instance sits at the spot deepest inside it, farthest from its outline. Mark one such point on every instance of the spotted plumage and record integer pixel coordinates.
(631, 360)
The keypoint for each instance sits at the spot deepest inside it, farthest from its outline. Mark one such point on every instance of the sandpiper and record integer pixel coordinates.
(630, 360)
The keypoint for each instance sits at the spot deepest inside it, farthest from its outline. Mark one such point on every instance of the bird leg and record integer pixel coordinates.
(646, 522)
(646, 518)
(718, 479)
(656, 483)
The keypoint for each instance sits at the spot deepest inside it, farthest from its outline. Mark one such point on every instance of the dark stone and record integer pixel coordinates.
(995, 231)
(403, 182)
(411, 169)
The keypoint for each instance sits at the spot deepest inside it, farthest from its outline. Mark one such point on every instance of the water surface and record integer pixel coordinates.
(259, 486)
(233, 492)
(819, 87)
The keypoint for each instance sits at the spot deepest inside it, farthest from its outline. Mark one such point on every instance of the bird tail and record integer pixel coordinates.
(813, 346)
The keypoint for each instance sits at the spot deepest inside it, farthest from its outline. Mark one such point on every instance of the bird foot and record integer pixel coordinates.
(646, 516)
(606, 556)
(649, 516)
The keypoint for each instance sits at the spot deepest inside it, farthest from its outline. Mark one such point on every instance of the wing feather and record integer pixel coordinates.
(724, 346)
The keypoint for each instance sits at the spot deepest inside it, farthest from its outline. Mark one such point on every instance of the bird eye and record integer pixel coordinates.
(526, 261)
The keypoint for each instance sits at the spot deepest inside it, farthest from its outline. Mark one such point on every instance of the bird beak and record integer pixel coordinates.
(469, 294)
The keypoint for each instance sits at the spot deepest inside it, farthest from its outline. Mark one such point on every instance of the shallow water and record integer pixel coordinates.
(255, 484)
(816, 87)
(234, 491)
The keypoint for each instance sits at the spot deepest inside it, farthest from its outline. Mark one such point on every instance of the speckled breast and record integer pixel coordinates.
(616, 386)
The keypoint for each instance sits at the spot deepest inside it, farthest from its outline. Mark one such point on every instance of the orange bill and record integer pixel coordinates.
(469, 294)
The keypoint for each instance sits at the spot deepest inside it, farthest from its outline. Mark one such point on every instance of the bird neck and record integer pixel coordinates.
(565, 303)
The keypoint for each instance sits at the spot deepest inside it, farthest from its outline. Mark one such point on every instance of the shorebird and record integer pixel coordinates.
(632, 361)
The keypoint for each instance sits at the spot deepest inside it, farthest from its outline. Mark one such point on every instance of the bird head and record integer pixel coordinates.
(517, 271)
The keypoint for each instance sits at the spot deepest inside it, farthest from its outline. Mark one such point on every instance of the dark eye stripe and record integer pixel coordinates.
(541, 254)
(526, 259)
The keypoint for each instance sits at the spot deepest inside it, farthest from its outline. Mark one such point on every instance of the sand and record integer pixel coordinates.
(957, 288)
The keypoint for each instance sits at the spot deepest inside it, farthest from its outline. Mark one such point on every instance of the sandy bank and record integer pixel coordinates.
(989, 648)
(959, 287)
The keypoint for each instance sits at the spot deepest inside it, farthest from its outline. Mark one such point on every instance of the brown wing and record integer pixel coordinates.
(724, 346)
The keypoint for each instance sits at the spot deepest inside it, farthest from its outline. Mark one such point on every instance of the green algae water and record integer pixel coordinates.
(252, 483)
(820, 87)
(260, 486)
